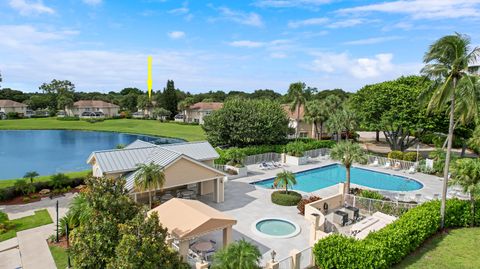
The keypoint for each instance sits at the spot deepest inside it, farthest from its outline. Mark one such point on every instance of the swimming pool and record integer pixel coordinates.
(319, 178)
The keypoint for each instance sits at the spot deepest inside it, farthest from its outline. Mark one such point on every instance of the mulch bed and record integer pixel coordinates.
(62, 242)
(19, 199)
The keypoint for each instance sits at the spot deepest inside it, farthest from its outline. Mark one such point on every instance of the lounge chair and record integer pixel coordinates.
(263, 166)
(277, 164)
(411, 170)
(387, 165)
(375, 163)
(397, 166)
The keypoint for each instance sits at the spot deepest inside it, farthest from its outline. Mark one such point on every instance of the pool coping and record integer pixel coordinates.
(264, 235)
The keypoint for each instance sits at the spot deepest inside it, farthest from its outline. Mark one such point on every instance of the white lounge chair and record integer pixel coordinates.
(397, 166)
(387, 165)
(411, 170)
(375, 163)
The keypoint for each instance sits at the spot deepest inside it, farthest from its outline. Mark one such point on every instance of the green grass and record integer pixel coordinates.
(59, 256)
(147, 127)
(9, 182)
(457, 249)
(41, 217)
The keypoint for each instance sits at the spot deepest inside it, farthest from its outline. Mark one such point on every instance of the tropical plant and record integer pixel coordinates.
(120, 146)
(317, 113)
(149, 177)
(240, 254)
(58, 180)
(31, 175)
(161, 113)
(283, 179)
(466, 173)
(80, 211)
(235, 157)
(448, 63)
(296, 92)
(335, 124)
(24, 187)
(349, 121)
(295, 148)
(348, 153)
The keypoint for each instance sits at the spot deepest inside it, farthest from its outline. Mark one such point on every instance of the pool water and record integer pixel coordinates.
(275, 227)
(319, 178)
(54, 151)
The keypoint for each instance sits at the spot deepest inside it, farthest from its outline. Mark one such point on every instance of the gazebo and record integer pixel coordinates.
(190, 219)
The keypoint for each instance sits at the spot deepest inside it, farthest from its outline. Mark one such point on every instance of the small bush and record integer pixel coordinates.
(371, 194)
(410, 156)
(26, 199)
(59, 180)
(13, 115)
(304, 201)
(395, 154)
(295, 148)
(68, 118)
(286, 199)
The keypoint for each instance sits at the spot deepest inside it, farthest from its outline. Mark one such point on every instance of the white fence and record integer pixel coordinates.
(370, 206)
(381, 161)
(219, 167)
(317, 152)
(286, 263)
(306, 259)
(265, 157)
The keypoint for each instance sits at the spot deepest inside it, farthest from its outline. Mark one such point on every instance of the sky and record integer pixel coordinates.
(103, 45)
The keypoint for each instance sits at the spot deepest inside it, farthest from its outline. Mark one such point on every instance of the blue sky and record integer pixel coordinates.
(223, 45)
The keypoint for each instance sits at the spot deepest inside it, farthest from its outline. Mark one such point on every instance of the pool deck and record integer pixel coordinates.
(249, 203)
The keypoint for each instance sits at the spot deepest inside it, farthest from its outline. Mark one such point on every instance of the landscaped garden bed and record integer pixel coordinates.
(11, 227)
(290, 198)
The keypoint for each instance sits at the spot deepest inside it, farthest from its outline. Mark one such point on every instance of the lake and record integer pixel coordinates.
(54, 151)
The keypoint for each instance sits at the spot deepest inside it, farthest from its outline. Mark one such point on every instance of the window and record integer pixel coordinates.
(303, 134)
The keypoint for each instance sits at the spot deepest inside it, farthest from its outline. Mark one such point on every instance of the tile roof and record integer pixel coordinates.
(206, 106)
(94, 103)
(293, 114)
(10, 103)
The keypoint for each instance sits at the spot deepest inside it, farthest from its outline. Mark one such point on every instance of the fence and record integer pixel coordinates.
(367, 205)
(265, 157)
(286, 263)
(306, 258)
(219, 167)
(381, 161)
(317, 152)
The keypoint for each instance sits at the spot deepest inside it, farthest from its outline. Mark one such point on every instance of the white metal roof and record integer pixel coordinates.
(121, 160)
(197, 150)
(139, 144)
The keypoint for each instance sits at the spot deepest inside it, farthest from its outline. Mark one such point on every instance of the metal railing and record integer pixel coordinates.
(286, 263)
(265, 157)
(219, 167)
(370, 206)
(382, 161)
(317, 152)
(306, 258)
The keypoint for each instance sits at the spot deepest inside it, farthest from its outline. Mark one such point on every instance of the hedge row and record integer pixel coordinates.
(308, 144)
(406, 156)
(390, 245)
(9, 193)
(286, 199)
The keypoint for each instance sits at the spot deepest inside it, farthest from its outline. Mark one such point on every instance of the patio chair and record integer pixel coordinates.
(387, 165)
(397, 166)
(411, 170)
(263, 166)
(375, 163)
(277, 164)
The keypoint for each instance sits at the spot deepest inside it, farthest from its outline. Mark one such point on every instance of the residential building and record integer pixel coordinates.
(185, 165)
(89, 108)
(305, 129)
(197, 112)
(7, 106)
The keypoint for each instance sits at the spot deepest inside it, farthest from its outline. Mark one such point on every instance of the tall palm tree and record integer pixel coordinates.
(349, 121)
(348, 153)
(448, 64)
(149, 177)
(466, 173)
(285, 178)
(335, 124)
(240, 254)
(317, 113)
(296, 92)
(31, 175)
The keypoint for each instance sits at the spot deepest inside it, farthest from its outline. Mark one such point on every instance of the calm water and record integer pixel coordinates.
(53, 151)
(323, 177)
(275, 227)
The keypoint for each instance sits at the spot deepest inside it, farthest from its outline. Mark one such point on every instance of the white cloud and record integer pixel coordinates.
(26, 8)
(250, 18)
(92, 2)
(247, 44)
(176, 34)
(373, 40)
(290, 3)
(308, 22)
(278, 55)
(346, 23)
(423, 9)
(359, 68)
(21, 35)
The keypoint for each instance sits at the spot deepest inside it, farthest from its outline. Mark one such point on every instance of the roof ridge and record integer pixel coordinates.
(182, 143)
(124, 149)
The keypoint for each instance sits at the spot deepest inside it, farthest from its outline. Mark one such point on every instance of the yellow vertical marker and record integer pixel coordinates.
(149, 80)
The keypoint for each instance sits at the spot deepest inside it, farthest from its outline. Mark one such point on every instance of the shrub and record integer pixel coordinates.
(25, 188)
(388, 246)
(235, 157)
(13, 115)
(301, 204)
(410, 156)
(395, 154)
(59, 180)
(286, 199)
(295, 148)
(26, 199)
(68, 118)
(371, 194)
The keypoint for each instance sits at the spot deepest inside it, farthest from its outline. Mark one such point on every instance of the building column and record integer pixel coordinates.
(183, 247)
(218, 190)
(227, 236)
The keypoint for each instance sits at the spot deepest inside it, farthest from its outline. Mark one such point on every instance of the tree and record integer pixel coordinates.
(185, 103)
(143, 244)
(349, 121)
(240, 254)
(348, 153)
(149, 177)
(129, 102)
(335, 124)
(466, 173)
(447, 64)
(296, 92)
(143, 102)
(160, 113)
(31, 175)
(59, 92)
(317, 113)
(94, 242)
(283, 179)
(169, 99)
(243, 122)
(134, 91)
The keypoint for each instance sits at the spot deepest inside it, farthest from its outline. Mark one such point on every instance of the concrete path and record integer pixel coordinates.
(34, 248)
(10, 259)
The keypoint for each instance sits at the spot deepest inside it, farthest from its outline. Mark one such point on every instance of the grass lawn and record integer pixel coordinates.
(457, 249)
(147, 127)
(9, 182)
(40, 218)
(59, 256)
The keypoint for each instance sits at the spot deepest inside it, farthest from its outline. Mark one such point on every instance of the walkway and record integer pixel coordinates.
(29, 249)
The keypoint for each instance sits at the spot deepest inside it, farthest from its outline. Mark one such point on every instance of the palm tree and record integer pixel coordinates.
(349, 121)
(335, 124)
(285, 178)
(297, 92)
(149, 177)
(31, 175)
(466, 173)
(240, 254)
(348, 153)
(448, 63)
(317, 113)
